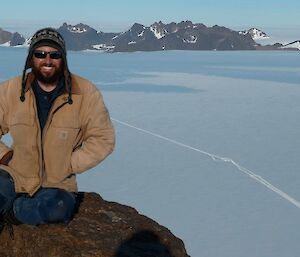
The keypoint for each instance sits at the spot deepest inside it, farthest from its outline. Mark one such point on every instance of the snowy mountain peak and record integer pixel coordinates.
(158, 30)
(256, 34)
(185, 25)
(77, 29)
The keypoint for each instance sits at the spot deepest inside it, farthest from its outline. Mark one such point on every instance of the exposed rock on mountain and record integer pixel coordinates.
(99, 229)
(13, 39)
(273, 47)
(17, 39)
(5, 36)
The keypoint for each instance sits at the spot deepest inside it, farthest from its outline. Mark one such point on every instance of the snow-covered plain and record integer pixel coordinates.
(172, 112)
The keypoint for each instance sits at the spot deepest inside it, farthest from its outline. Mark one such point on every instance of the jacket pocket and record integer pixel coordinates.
(65, 120)
(21, 118)
(24, 135)
(21, 129)
(24, 161)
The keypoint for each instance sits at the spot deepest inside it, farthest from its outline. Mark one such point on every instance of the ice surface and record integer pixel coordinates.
(239, 105)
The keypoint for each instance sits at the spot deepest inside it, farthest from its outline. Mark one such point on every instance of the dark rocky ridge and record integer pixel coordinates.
(159, 36)
(184, 35)
(99, 229)
(180, 36)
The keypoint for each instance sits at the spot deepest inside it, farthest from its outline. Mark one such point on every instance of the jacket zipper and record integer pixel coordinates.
(50, 116)
(39, 143)
(41, 134)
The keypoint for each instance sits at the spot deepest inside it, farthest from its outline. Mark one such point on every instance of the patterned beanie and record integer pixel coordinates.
(47, 37)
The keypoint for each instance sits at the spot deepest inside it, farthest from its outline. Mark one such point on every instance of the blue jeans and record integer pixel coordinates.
(48, 205)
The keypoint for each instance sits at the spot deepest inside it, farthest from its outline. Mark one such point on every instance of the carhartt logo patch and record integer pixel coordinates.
(63, 135)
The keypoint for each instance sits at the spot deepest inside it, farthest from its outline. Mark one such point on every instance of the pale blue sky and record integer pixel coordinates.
(118, 15)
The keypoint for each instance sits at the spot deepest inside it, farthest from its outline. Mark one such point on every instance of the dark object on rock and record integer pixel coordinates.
(99, 229)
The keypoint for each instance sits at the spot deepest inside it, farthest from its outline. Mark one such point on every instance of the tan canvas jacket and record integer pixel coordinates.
(75, 138)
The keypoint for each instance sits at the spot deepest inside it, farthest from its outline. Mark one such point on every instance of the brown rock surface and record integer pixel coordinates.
(99, 229)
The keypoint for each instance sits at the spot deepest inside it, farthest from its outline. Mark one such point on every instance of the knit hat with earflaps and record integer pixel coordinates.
(47, 37)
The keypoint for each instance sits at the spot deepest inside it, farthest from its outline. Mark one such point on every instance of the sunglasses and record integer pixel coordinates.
(43, 54)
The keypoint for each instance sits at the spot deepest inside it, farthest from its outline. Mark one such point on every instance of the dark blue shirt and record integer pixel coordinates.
(44, 100)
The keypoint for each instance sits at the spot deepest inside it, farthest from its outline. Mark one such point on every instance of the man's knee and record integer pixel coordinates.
(48, 205)
(57, 205)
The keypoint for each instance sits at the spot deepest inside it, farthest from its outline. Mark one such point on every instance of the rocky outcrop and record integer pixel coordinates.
(99, 229)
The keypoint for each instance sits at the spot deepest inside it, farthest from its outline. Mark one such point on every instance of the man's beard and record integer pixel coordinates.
(50, 79)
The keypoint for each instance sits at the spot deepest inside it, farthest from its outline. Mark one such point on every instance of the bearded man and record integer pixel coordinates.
(60, 127)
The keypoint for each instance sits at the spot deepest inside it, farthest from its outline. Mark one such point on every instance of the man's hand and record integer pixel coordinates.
(6, 158)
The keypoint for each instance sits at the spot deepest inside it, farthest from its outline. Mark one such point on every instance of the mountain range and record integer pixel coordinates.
(159, 36)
